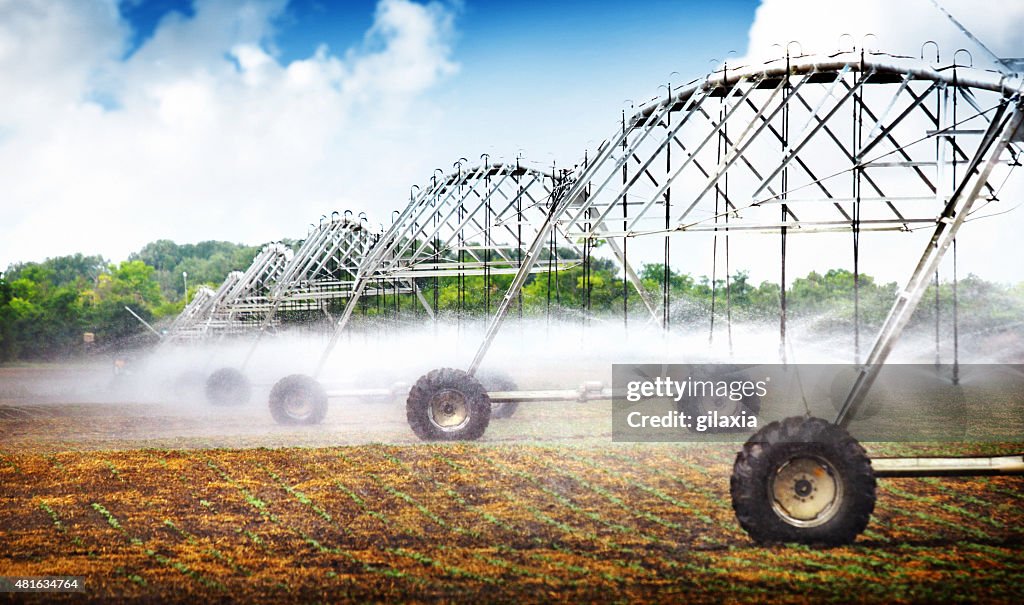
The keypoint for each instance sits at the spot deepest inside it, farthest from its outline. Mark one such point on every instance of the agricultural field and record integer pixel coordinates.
(152, 503)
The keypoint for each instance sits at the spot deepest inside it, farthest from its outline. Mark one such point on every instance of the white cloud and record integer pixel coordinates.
(898, 27)
(203, 133)
(49, 53)
(894, 26)
(408, 39)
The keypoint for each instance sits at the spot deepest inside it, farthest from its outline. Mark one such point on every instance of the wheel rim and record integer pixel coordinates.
(298, 405)
(449, 410)
(805, 491)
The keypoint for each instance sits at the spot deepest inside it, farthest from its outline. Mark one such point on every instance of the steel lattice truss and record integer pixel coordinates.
(277, 281)
(249, 298)
(847, 142)
(238, 304)
(475, 220)
(195, 320)
(811, 144)
(325, 266)
(187, 325)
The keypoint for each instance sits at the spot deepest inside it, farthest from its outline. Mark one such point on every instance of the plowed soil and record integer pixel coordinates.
(158, 504)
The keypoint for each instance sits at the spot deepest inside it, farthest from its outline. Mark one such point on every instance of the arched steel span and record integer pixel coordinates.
(323, 269)
(325, 265)
(184, 326)
(877, 63)
(476, 220)
(847, 142)
(765, 137)
(245, 301)
(195, 322)
(237, 304)
(473, 219)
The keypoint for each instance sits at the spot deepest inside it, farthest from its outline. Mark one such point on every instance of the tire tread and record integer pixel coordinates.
(766, 450)
(424, 390)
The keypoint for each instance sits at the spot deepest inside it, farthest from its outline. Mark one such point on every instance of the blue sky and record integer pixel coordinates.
(534, 28)
(573, 66)
(132, 118)
(563, 69)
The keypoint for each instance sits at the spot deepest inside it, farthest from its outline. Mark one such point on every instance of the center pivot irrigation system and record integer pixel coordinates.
(474, 221)
(840, 144)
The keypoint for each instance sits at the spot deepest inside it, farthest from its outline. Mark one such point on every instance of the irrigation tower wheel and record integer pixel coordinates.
(228, 386)
(499, 381)
(298, 399)
(448, 405)
(803, 480)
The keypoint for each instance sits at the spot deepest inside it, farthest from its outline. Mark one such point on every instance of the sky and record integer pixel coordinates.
(124, 122)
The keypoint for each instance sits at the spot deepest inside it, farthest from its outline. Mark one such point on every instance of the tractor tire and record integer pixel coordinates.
(298, 399)
(448, 405)
(499, 381)
(228, 386)
(803, 480)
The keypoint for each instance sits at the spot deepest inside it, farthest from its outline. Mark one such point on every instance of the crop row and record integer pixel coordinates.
(464, 522)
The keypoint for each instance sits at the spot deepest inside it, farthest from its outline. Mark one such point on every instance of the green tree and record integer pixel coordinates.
(654, 275)
(40, 313)
(130, 284)
(206, 262)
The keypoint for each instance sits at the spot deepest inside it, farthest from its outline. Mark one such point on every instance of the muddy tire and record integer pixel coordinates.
(448, 405)
(228, 386)
(497, 381)
(298, 399)
(803, 480)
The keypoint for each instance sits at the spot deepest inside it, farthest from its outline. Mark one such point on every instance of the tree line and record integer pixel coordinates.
(831, 301)
(47, 307)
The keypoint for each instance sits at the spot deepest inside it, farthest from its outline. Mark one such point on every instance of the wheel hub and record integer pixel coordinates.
(805, 491)
(298, 405)
(449, 410)
(803, 488)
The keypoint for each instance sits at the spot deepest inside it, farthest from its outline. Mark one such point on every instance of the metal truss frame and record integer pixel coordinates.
(755, 149)
(324, 267)
(194, 313)
(237, 304)
(475, 220)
